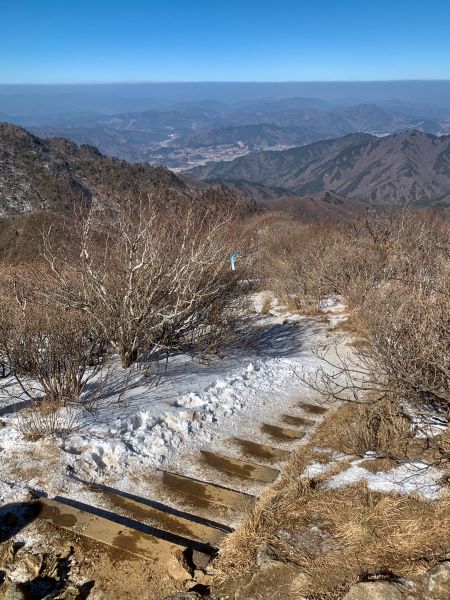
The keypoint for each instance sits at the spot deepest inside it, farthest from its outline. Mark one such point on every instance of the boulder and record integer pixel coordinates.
(265, 555)
(313, 541)
(274, 581)
(376, 590)
(179, 566)
(437, 582)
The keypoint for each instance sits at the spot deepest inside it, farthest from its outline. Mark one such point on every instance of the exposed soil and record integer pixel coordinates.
(98, 572)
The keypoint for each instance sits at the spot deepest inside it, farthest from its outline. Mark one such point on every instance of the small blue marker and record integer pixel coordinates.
(233, 258)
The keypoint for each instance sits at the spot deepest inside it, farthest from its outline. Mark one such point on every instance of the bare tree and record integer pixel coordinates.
(145, 278)
(401, 312)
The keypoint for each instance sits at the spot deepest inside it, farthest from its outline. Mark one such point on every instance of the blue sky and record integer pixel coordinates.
(68, 41)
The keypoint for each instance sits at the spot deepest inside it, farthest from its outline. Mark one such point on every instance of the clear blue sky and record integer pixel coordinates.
(67, 41)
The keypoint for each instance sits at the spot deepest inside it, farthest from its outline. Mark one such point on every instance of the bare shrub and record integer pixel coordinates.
(400, 308)
(52, 353)
(409, 333)
(148, 280)
(304, 264)
(44, 419)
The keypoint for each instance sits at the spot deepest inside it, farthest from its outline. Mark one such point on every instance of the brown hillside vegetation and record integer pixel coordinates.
(304, 539)
(406, 168)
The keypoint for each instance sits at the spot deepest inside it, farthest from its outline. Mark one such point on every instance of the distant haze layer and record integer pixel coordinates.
(42, 100)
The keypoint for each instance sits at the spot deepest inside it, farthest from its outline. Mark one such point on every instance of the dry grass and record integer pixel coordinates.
(369, 534)
(359, 428)
(379, 427)
(378, 465)
(266, 304)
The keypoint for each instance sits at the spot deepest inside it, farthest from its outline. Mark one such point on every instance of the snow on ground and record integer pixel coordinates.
(142, 427)
(410, 477)
(135, 428)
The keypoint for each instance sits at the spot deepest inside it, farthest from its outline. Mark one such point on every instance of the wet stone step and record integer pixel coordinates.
(207, 494)
(164, 517)
(261, 451)
(297, 421)
(84, 520)
(312, 409)
(240, 468)
(281, 434)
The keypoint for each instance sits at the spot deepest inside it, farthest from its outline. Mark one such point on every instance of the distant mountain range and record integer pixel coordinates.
(411, 167)
(333, 179)
(194, 134)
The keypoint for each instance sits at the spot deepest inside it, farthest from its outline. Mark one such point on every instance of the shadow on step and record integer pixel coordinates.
(137, 525)
(96, 487)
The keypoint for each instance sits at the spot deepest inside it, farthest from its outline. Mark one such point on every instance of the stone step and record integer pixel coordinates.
(240, 468)
(164, 517)
(261, 451)
(281, 434)
(157, 547)
(297, 421)
(207, 494)
(312, 409)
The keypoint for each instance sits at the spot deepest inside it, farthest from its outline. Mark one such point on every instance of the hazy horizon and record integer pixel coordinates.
(50, 99)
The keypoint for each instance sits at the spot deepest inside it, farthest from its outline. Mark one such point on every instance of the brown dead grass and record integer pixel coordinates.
(358, 428)
(266, 304)
(378, 465)
(371, 534)
(379, 427)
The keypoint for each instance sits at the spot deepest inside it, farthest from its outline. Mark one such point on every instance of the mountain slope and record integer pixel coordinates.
(410, 167)
(54, 174)
(323, 206)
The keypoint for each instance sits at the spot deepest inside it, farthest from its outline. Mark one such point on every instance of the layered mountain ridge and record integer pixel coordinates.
(411, 167)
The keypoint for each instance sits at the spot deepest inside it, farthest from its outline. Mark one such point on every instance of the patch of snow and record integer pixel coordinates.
(411, 477)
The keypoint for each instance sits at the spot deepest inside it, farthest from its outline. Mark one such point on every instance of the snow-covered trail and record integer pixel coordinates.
(123, 444)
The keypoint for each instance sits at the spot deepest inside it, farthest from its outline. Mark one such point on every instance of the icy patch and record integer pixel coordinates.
(315, 469)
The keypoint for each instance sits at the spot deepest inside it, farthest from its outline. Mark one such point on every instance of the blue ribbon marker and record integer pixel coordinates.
(233, 258)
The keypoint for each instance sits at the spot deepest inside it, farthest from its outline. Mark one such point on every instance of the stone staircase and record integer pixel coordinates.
(204, 504)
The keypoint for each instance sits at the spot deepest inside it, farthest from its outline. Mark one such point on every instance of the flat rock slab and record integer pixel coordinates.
(312, 409)
(240, 468)
(297, 421)
(204, 492)
(282, 434)
(110, 533)
(167, 520)
(261, 450)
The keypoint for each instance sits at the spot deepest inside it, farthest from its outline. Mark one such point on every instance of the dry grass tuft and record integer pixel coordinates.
(378, 465)
(266, 304)
(359, 428)
(368, 534)
(371, 535)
